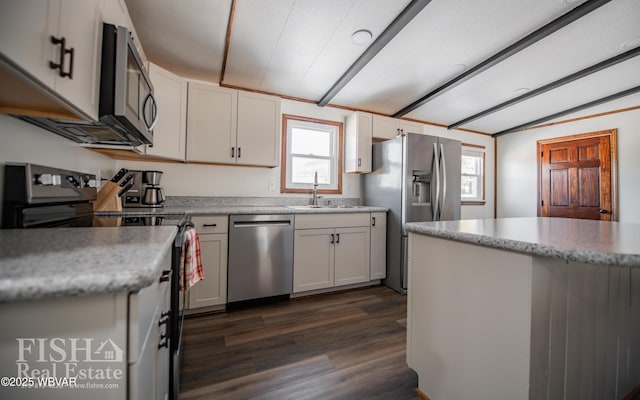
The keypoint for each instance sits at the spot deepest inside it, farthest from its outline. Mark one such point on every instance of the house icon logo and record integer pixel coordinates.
(108, 351)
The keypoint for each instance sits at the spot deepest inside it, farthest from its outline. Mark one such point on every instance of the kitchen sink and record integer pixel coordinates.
(309, 206)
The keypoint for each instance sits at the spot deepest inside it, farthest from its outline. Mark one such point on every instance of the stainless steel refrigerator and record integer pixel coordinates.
(417, 177)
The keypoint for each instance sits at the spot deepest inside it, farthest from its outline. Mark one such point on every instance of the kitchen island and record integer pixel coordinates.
(85, 307)
(524, 308)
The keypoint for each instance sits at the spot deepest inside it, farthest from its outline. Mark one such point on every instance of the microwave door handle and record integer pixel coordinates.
(155, 111)
(151, 125)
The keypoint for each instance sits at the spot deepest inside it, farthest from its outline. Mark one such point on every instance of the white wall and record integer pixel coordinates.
(23, 142)
(517, 164)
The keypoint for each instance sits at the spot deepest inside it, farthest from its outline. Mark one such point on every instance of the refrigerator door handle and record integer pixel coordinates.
(444, 181)
(435, 173)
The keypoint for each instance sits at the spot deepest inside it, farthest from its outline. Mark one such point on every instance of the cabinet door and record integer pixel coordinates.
(378, 245)
(384, 127)
(212, 290)
(80, 25)
(258, 129)
(211, 123)
(170, 134)
(410, 126)
(25, 30)
(351, 255)
(357, 149)
(313, 255)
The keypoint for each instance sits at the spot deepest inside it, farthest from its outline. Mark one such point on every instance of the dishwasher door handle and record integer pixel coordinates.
(255, 224)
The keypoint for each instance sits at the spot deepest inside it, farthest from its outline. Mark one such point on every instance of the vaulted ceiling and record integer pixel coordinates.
(438, 61)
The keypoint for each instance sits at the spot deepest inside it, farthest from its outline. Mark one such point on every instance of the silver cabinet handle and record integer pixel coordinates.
(166, 275)
(164, 341)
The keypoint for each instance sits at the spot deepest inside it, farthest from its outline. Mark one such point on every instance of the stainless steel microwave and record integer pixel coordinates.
(126, 92)
(127, 110)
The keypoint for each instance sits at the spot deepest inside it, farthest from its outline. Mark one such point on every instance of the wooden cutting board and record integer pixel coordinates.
(108, 199)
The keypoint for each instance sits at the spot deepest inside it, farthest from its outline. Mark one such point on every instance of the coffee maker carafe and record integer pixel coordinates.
(153, 196)
(146, 191)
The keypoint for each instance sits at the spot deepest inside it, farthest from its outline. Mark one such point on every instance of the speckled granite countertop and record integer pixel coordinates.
(43, 263)
(229, 210)
(593, 242)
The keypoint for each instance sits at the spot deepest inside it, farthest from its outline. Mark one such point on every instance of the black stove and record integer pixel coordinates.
(37, 196)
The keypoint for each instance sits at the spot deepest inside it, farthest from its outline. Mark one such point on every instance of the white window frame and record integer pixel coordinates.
(335, 158)
(478, 152)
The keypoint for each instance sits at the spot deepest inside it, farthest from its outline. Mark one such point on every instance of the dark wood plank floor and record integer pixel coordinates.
(348, 345)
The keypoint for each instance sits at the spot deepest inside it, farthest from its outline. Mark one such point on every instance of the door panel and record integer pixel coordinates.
(576, 177)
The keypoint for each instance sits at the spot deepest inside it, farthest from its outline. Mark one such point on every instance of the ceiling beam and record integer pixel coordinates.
(553, 85)
(385, 37)
(569, 111)
(553, 26)
(227, 41)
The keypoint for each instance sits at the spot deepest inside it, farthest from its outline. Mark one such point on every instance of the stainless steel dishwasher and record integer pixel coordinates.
(260, 257)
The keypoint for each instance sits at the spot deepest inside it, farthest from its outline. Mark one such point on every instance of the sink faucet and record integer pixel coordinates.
(314, 199)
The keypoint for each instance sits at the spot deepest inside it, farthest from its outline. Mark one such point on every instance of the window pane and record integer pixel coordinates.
(470, 187)
(471, 165)
(307, 141)
(303, 170)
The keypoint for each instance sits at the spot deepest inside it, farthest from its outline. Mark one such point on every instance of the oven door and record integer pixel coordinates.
(178, 305)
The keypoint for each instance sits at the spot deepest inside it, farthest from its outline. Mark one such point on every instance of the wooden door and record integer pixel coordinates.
(575, 176)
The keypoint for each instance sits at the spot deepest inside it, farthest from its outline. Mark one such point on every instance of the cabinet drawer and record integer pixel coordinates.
(317, 221)
(211, 224)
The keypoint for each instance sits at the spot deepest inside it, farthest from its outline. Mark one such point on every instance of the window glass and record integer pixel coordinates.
(312, 147)
(472, 179)
(308, 141)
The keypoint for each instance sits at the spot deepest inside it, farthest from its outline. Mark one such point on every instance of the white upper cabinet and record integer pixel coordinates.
(357, 143)
(388, 128)
(384, 127)
(58, 43)
(258, 129)
(227, 126)
(410, 126)
(170, 133)
(211, 123)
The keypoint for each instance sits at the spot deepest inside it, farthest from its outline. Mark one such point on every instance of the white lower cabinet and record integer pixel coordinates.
(330, 250)
(351, 256)
(378, 245)
(118, 339)
(212, 290)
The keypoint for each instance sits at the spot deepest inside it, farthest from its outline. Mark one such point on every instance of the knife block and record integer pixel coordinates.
(108, 199)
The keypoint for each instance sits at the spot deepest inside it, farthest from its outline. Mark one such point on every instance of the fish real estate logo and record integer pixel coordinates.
(69, 361)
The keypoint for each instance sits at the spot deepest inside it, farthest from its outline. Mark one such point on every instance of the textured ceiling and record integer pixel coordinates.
(299, 48)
